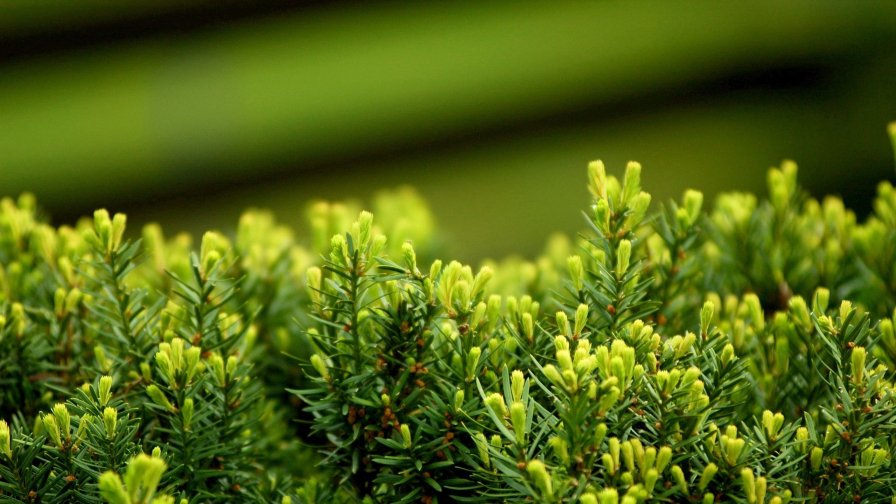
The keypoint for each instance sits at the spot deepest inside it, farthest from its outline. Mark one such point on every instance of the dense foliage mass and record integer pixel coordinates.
(743, 355)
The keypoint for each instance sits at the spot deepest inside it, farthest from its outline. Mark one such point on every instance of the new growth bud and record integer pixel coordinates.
(539, 475)
(706, 477)
(5, 439)
(517, 383)
(110, 422)
(693, 202)
(105, 390)
(623, 258)
(406, 435)
(576, 272)
(857, 358)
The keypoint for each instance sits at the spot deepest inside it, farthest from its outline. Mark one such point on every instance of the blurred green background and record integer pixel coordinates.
(189, 112)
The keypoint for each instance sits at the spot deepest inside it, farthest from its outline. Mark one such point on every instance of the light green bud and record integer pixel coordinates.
(435, 269)
(609, 465)
(232, 363)
(761, 488)
(105, 390)
(728, 354)
(317, 362)
(857, 358)
(628, 456)
(119, 221)
(59, 302)
(481, 280)
(608, 496)
(664, 456)
(845, 309)
(18, 319)
(693, 202)
(528, 326)
(551, 372)
(648, 460)
(748, 480)
(156, 394)
(602, 215)
(650, 479)
(187, 413)
(142, 476)
(772, 424)
(472, 362)
(365, 225)
(313, 283)
(617, 368)
(191, 360)
(588, 498)
(608, 399)
(216, 366)
(212, 249)
(495, 402)
(637, 209)
(815, 458)
(754, 309)
(410, 256)
(640, 452)
(820, 301)
(690, 376)
(493, 311)
(733, 451)
(63, 419)
(110, 421)
(623, 257)
(802, 437)
(706, 477)
(614, 448)
(564, 360)
(830, 435)
(518, 421)
(539, 475)
(406, 435)
(706, 314)
(600, 432)
(482, 448)
(479, 315)
(51, 427)
(597, 179)
(631, 182)
(678, 476)
(576, 272)
(560, 448)
(85, 421)
(458, 400)
(5, 439)
(581, 318)
(517, 384)
(112, 490)
(563, 324)
(800, 312)
(102, 225)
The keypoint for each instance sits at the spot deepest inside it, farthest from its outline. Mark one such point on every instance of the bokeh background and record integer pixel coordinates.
(188, 112)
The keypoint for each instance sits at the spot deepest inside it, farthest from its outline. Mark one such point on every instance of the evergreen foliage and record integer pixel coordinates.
(742, 354)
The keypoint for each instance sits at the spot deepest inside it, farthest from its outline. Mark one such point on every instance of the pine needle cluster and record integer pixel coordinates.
(741, 353)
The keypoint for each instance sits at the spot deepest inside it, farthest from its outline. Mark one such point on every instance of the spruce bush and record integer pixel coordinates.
(742, 354)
